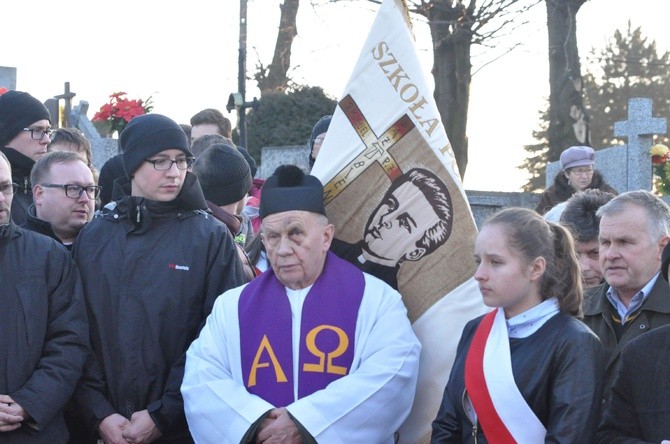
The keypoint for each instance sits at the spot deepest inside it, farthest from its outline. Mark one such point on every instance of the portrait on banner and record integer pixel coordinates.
(398, 223)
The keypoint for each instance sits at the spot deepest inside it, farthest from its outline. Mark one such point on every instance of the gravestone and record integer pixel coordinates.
(273, 156)
(627, 167)
(7, 77)
(103, 148)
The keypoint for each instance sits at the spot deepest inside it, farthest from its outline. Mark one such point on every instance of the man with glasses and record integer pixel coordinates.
(64, 192)
(43, 329)
(152, 263)
(25, 127)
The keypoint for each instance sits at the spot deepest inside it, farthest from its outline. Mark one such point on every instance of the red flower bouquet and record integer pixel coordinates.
(120, 110)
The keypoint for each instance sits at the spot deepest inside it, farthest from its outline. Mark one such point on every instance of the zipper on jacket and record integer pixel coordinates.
(470, 414)
(26, 185)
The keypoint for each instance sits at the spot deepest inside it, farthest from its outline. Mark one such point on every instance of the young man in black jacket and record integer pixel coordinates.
(153, 262)
(25, 130)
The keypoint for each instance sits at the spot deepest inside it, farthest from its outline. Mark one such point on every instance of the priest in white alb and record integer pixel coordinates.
(313, 350)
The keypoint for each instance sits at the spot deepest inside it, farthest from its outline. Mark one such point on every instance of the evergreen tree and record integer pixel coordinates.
(286, 118)
(629, 66)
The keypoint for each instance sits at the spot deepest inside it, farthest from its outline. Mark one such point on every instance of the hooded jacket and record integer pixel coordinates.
(44, 332)
(152, 271)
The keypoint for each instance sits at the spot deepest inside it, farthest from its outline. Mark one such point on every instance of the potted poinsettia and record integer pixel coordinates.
(114, 115)
(659, 161)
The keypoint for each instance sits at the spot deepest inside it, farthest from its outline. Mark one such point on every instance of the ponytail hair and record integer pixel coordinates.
(564, 279)
(532, 237)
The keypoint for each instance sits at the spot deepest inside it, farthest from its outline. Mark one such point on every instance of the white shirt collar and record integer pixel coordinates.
(528, 322)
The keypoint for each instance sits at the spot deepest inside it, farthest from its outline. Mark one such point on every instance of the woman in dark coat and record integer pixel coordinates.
(577, 174)
(529, 371)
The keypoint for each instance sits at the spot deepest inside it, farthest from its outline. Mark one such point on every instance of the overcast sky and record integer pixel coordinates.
(185, 55)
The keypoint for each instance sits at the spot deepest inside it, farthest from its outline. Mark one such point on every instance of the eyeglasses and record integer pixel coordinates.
(9, 188)
(182, 163)
(580, 171)
(38, 134)
(75, 191)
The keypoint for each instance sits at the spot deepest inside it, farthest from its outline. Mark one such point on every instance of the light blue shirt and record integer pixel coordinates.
(635, 303)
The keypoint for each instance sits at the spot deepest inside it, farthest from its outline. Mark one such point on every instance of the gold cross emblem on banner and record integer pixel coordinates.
(376, 149)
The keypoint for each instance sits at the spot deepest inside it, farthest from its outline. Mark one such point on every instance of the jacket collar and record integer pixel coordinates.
(141, 211)
(34, 223)
(8, 232)
(596, 300)
(232, 221)
(20, 163)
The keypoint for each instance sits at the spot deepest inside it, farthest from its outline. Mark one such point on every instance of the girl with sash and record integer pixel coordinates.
(529, 371)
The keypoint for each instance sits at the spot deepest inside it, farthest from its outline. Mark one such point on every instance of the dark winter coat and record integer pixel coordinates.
(559, 372)
(561, 191)
(654, 313)
(637, 410)
(23, 199)
(151, 272)
(34, 223)
(43, 331)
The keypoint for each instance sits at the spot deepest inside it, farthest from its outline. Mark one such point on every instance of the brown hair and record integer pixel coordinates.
(42, 167)
(75, 137)
(214, 116)
(532, 236)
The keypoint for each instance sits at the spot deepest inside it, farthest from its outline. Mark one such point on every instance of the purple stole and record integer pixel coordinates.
(327, 332)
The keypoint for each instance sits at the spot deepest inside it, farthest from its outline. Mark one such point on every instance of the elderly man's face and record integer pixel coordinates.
(296, 243)
(629, 257)
(5, 185)
(400, 220)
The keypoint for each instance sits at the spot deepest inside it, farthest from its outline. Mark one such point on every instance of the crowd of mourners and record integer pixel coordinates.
(174, 297)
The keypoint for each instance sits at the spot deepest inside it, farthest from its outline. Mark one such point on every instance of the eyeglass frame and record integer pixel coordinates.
(587, 170)
(80, 189)
(45, 132)
(189, 163)
(13, 185)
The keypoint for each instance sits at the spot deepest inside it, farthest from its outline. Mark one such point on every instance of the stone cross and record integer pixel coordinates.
(67, 96)
(639, 129)
(627, 167)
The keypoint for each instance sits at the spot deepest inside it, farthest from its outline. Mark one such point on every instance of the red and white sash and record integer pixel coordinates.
(503, 413)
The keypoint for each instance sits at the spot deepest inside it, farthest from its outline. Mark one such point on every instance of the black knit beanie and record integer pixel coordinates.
(665, 261)
(250, 160)
(110, 171)
(147, 135)
(288, 189)
(320, 127)
(19, 110)
(223, 173)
